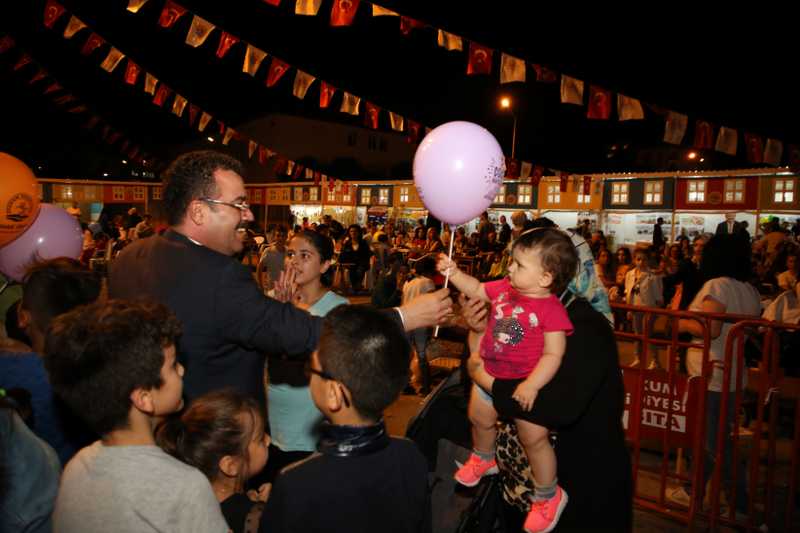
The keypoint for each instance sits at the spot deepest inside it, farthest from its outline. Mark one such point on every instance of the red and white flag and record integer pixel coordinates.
(343, 12)
(170, 14)
(52, 11)
(132, 72)
(193, 112)
(587, 185)
(24, 59)
(40, 75)
(536, 177)
(262, 155)
(302, 81)
(326, 91)
(413, 132)
(73, 26)
(226, 40)
(599, 103)
(92, 43)
(407, 24)
(755, 148)
(162, 93)
(371, 115)
(563, 182)
(6, 43)
(703, 135)
(53, 87)
(544, 74)
(571, 90)
(480, 59)
(273, 2)
(512, 168)
(277, 69)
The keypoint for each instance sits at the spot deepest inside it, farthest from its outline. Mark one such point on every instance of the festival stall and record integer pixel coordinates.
(568, 200)
(702, 202)
(631, 207)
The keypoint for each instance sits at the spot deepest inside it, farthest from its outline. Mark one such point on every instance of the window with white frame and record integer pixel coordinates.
(89, 193)
(734, 191)
(346, 193)
(286, 193)
(331, 195)
(383, 196)
(553, 193)
(584, 198)
(67, 191)
(156, 193)
(257, 196)
(783, 190)
(118, 192)
(273, 195)
(313, 194)
(298, 194)
(696, 191)
(365, 195)
(619, 193)
(403, 195)
(653, 192)
(500, 197)
(524, 194)
(139, 193)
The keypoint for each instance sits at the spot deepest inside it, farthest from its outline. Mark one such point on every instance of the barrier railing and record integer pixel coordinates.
(669, 409)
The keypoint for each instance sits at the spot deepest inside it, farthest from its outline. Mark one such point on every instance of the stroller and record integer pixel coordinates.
(441, 429)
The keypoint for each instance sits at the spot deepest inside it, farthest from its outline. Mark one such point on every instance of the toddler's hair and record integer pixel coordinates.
(214, 425)
(557, 252)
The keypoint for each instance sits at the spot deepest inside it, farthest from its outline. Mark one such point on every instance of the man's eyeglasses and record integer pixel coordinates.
(241, 206)
(308, 369)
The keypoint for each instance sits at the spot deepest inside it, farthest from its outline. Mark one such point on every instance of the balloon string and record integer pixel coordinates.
(447, 276)
(3, 288)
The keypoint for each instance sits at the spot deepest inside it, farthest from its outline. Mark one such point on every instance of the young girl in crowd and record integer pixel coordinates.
(524, 339)
(644, 287)
(222, 435)
(293, 417)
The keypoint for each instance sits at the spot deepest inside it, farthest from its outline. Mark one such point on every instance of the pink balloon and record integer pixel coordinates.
(458, 169)
(54, 233)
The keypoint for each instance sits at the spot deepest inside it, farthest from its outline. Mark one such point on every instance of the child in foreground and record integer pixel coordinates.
(113, 363)
(222, 435)
(360, 479)
(525, 339)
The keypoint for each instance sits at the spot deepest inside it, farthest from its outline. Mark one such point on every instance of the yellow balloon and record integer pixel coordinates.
(19, 198)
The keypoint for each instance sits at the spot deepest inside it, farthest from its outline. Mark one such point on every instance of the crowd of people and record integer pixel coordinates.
(190, 398)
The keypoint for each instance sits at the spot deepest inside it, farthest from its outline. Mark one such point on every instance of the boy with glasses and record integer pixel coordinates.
(360, 478)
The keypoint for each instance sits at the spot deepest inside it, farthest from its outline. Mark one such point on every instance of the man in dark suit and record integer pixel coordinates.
(228, 323)
(730, 226)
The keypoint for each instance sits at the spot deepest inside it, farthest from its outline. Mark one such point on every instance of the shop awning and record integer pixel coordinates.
(377, 211)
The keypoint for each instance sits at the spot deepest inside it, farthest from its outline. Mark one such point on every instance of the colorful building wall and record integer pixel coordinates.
(717, 194)
(551, 197)
(778, 193)
(657, 194)
(510, 192)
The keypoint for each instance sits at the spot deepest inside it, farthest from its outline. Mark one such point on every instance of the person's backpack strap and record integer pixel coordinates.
(253, 518)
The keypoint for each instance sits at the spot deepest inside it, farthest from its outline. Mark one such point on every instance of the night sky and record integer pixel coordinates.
(732, 68)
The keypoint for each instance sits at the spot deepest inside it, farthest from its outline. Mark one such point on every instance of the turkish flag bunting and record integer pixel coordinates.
(161, 95)
(331, 184)
(226, 40)
(703, 135)
(407, 24)
(544, 74)
(262, 155)
(276, 70)
(536, 177)
(326, 91)
(124, 146)
(371, 116)
(65, 99)
(92, 122)
(73, 26)
(170, 14)
(755, 148)
(114, 137)
(199, 31)
(298, 171)
(794, 157)
(53, 87)
(6, 43)
(343, 12)
(317, 177)
(132, 72)
(599, 103)
(23, 60)
(480, 59)
(193, 111)
(345, 188)
(587, 185)
(512, 168)
(92, 43)
(78, 109)
(52, 10)
(40, 75)
(251, 148)
(273, 2)
(413, 132)
(563, 182)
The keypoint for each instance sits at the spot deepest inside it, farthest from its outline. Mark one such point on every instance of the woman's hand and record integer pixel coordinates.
(474, 312)
(285, 288)
(525, 394)
(262, 495)
(478, 373)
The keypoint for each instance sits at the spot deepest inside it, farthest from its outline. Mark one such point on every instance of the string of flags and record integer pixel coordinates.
(70, 103)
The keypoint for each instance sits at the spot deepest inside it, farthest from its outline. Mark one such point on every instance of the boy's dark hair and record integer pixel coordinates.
(214, 425)
(97, 354)
(558, 254)
(367, 352)
(426, 266)
(55, 286)
(191, 176)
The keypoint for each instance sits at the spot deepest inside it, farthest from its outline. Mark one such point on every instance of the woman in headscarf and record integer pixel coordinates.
(582, 405)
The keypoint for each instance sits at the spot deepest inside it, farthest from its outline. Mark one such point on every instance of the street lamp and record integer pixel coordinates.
(505, 103)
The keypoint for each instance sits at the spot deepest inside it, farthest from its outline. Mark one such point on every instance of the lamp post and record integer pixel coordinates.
(505, 103)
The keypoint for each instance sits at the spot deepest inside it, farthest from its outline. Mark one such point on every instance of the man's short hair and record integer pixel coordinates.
(98, 354)
(191, 176)
(368, 352)
(55, 286)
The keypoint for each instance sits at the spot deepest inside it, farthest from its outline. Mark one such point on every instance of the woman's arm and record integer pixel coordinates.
(693, 326)
(555, 343)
